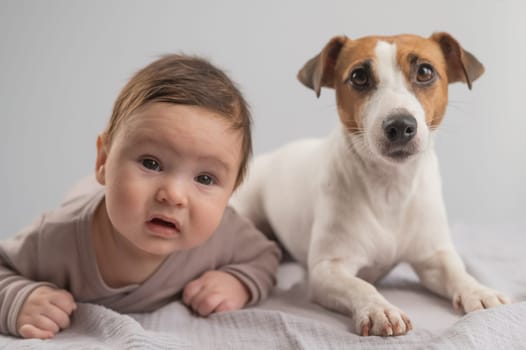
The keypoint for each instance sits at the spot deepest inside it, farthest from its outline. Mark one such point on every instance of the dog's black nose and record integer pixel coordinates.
(400, 128)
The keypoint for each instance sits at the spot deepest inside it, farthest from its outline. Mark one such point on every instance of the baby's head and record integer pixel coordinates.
(175, 148)
(190, 81)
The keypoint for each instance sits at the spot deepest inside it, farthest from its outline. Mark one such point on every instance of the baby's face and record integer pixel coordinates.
(169, 174)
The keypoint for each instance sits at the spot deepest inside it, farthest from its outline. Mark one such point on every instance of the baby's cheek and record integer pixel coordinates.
(124, 201)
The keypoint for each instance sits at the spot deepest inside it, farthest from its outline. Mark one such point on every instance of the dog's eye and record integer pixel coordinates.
(359, 78)
(425, 73)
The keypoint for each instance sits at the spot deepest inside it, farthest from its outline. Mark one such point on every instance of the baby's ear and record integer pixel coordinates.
(102, 155)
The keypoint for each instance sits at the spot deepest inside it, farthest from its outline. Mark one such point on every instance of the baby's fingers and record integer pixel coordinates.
(206, 303)
(64, 301)
(31, 331)
(191, 290)
(224, 306)
(58, 316)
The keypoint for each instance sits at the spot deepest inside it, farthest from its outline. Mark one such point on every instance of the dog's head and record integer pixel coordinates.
(391, 91)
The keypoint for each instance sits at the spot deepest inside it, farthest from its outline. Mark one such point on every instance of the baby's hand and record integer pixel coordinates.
(215, 291)
(45, 312)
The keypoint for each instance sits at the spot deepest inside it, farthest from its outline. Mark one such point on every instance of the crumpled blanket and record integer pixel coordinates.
(288, 320)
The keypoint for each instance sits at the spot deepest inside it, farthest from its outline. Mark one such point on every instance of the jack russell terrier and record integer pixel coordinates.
(353, 205)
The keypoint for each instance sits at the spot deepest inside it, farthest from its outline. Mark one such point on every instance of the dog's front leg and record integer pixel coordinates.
(445, 274)
(334, 286)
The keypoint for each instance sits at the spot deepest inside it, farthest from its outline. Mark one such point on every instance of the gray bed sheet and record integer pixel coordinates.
(288, 320)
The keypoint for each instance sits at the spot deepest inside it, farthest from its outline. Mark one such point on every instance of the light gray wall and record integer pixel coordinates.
(62, 64)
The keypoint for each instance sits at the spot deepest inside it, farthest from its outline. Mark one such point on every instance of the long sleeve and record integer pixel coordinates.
(18, 271)
(254, 258)
(57, 251)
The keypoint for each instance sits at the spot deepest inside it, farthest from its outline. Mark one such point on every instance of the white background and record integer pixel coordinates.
(62, 64)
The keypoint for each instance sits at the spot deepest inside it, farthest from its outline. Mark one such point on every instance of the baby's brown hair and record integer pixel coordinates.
(186, 80)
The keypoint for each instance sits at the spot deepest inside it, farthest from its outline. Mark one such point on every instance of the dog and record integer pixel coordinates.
(353, 205)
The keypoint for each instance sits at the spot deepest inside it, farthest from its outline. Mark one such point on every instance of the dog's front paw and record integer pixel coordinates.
(471, 299)
(381, 319)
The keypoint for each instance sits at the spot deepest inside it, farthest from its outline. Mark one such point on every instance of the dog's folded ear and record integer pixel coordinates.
(461, 65)
(319, 70)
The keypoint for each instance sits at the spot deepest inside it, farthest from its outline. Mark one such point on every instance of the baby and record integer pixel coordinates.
(158, 228)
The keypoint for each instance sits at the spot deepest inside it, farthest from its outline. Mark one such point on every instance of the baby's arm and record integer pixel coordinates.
(29, 307)
(215, 291)
(245, 274)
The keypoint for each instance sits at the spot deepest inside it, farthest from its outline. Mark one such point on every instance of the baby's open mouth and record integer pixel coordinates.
(162, 222)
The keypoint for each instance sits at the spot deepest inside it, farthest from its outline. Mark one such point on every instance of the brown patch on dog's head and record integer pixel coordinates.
(356, 56)
(330, 69)
(342, 57)
(447, 58)
(416, 55)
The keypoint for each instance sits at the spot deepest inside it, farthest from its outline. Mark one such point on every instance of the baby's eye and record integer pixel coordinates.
(205, 179)
(151, 164)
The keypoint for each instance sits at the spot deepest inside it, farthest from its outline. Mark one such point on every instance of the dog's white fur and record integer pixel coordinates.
(350, 212)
